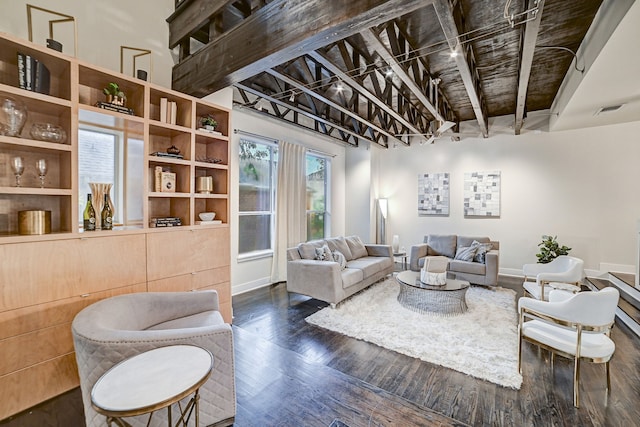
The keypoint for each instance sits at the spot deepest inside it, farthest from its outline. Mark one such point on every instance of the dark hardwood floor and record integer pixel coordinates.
(289, 373)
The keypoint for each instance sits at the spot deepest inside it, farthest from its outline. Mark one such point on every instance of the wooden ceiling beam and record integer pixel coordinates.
(527, 49)
(465, 62)
(190, 17)
(270, 37)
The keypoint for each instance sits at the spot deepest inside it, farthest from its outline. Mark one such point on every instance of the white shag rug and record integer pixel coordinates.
(483, 342)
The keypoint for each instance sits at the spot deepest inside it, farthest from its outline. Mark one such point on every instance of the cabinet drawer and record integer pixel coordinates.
(28, 319)
(28, 387)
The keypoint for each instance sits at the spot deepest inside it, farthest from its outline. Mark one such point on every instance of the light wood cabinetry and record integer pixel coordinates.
(45, 280)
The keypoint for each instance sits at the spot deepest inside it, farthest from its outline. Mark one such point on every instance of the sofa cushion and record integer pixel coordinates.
(444, 245)
(308, 250)
(356, 246)
(351, 276)
(324, 254)
(340, 259)
(368, 265)
(467, 267)
(340, 244)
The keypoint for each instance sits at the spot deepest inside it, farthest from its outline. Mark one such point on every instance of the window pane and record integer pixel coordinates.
(316, 179)
(255, 233)
(135, 174)
(256, 176)
(96, 163)
(315, 225)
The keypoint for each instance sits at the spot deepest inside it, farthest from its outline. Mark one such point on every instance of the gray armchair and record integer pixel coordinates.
(114, 329)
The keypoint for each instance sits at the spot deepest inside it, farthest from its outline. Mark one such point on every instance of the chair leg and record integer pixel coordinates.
(576, 382)
(608, 377)
(520, 355)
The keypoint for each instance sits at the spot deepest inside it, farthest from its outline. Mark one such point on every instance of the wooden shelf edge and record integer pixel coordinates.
(20, 143)
(36, 191)
(23, 93)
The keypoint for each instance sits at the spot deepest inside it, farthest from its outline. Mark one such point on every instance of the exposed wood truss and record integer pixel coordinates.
(379, 70)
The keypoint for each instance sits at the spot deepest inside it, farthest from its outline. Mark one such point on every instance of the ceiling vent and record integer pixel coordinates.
(609, 109)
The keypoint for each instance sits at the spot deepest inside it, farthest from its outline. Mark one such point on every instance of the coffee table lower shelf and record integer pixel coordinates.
(446, 300)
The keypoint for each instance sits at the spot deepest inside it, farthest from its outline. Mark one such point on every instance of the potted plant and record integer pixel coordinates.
(208, 122)
(550, 249)
(114, 94)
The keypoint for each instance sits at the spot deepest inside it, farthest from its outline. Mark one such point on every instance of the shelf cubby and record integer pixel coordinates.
(12, 204)
(162, 205)
(184, 107)
(92, 81)
(58, 65)
(162, 137)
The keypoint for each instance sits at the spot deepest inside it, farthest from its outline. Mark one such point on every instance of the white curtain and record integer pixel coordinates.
(291, 210)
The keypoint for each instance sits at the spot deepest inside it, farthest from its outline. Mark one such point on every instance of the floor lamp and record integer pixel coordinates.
(381, 226)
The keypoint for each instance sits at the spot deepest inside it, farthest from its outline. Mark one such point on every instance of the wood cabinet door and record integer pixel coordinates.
(37, 272)
(170, 253)
(212, 249)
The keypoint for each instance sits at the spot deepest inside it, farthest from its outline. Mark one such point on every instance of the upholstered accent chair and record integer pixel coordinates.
(564, 272)
(572, 326)
(117, 328)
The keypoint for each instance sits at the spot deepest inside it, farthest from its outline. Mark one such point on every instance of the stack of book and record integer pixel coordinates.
(114, 107)
(170, 221)
(168, 111)
(33, 75)
(165, 182)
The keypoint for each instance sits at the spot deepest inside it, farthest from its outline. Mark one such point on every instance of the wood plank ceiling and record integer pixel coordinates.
(380, 70)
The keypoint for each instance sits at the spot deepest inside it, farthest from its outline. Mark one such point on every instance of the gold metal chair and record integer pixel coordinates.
(573, 326)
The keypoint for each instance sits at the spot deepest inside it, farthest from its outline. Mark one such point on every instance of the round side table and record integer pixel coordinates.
(153, 380)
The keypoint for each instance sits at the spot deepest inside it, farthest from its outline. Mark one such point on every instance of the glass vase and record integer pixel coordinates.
(13, 115)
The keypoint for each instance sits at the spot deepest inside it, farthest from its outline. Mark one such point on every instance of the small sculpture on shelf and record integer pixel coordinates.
(114, 94)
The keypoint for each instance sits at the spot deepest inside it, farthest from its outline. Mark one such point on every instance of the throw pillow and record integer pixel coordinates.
(466, 253)
(358, 250)
(340, 259)
(481, 252)
(308, 250)
(324, 254)
(339, 244)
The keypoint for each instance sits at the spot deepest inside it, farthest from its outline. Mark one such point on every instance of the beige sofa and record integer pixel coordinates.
(479, 271)
(326, 280)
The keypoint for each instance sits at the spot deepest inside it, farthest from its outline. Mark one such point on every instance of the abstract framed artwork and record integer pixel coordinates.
(482, 194)
(433, 194)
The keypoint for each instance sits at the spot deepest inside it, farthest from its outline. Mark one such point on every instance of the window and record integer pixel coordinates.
(112, 156)
(318, 217)
(257, 166)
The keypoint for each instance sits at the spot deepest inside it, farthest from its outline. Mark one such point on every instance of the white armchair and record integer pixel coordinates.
(572, 326)
(564, 272)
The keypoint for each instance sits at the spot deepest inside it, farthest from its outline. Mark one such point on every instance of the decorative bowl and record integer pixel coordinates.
(48, 132)
(207, 216)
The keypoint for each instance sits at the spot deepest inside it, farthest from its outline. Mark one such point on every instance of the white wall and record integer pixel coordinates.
(581, 185)
(103, 26)
(247, 275)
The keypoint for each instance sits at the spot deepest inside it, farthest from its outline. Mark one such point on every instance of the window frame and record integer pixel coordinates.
(273, 170)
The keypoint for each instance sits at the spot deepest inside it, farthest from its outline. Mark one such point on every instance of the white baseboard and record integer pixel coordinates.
(250, 286)
(617, 268)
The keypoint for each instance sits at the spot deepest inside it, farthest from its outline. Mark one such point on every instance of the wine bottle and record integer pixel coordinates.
(107, 215)
(89, 215)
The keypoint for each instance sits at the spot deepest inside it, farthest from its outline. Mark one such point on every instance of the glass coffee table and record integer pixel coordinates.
(448, 299)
